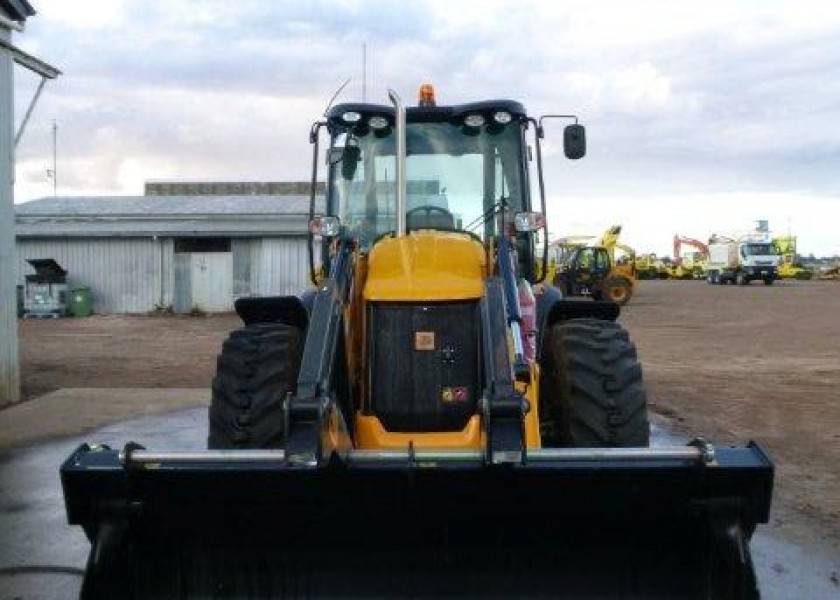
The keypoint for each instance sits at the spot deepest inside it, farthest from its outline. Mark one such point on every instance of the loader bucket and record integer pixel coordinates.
(635, 523)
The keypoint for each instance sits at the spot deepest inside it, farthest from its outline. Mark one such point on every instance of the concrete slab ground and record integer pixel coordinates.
(41, 557)
(73, 411)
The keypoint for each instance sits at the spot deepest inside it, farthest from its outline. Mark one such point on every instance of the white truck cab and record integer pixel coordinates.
(742, 261)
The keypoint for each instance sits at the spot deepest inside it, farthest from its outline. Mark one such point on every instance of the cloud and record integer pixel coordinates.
(680, 99)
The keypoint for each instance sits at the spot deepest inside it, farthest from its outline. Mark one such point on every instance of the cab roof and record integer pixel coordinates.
(418, 114)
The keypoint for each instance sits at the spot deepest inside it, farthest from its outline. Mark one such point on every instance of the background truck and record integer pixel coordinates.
(742, 261)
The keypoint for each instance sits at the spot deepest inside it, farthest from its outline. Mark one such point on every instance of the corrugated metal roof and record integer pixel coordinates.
(157, 206)
(132, 216)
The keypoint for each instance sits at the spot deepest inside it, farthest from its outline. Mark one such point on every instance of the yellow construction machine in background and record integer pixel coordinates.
(605, 270)
(559, 252)
(830, 273)
(650, 266)
(689, 265)
(790, 267)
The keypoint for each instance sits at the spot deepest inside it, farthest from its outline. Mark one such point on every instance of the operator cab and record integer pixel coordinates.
(465, 171)
(586, 268)
(464, 166)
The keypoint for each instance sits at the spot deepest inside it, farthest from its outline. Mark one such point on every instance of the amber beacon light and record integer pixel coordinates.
(427, 95)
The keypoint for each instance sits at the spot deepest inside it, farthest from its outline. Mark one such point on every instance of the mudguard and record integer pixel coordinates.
(273, 309)
(563, 310)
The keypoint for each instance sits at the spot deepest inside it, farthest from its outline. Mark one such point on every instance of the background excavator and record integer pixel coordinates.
(689, 265)
(604, 270)
(427, 420)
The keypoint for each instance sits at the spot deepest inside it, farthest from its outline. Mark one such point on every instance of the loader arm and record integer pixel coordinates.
(315, 407)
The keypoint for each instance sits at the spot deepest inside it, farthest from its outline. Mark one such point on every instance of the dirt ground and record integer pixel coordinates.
(121, 352)
(757, 363)
(728, 363)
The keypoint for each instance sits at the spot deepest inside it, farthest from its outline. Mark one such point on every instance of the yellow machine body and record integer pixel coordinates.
(424, 267)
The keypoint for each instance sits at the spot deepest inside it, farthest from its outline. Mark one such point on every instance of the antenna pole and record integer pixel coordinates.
(364, 72)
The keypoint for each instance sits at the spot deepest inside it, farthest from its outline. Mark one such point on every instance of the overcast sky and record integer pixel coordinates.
(701, 117)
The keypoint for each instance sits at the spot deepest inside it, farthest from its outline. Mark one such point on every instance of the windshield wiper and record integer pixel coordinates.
(498, 206)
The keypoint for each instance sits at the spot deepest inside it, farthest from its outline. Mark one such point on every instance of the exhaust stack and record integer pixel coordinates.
(399, 109)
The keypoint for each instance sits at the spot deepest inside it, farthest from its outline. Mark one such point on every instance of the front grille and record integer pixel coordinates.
(424, 365)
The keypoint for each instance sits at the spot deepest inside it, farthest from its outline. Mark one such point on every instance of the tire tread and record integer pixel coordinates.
(592, 389)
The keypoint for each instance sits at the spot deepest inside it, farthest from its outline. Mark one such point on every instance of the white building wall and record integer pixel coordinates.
(241, 258)
(255, 260)
(138, 275)
(166, 254)
(125, 275)
(281, 266)
(182, 282)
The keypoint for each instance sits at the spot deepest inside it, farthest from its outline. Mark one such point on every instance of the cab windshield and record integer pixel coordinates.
(457, 178)
(759, 250)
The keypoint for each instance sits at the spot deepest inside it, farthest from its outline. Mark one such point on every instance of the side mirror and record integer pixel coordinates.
(574, 141)
(527, 222)
(333, 155)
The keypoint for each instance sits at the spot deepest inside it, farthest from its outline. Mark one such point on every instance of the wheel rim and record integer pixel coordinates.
(618, 293)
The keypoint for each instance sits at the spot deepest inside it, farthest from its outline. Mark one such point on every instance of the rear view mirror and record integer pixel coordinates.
(574, 141)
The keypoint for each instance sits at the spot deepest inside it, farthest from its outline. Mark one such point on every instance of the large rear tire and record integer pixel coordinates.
(257, 369)
(592, 394)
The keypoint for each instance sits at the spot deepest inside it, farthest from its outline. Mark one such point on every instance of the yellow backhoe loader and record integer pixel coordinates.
(426, 421)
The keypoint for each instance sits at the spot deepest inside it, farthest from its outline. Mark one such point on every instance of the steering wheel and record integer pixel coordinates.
(444, 220)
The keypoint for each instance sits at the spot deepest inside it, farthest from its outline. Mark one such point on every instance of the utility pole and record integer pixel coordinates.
(12, 17)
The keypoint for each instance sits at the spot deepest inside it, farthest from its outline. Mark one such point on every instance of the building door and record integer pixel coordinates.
(211, 276)
(203, 275)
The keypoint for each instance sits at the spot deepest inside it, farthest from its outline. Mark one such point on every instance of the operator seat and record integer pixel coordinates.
(429, 218)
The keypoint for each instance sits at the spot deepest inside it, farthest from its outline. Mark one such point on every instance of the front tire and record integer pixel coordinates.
(257, 369)
(592, 394)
